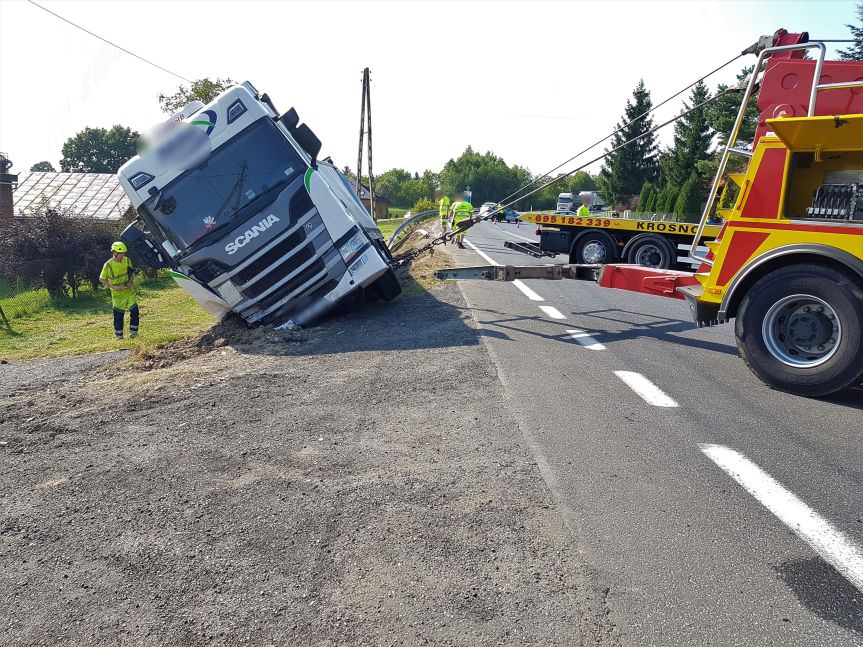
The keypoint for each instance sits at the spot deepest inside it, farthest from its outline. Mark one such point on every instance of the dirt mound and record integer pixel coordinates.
(232, 332)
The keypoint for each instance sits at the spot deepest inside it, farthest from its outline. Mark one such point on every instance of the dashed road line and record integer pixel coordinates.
(552, 312)
(648, 391)
(816, 531)
(585, 340)
(530, 294)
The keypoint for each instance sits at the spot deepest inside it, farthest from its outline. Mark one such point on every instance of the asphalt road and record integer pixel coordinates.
(717, 511)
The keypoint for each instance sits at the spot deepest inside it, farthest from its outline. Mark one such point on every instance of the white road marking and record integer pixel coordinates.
(585, 340)
(530, 294)
(648, 391)
(827, 541)
(552, 312)
(486, 257)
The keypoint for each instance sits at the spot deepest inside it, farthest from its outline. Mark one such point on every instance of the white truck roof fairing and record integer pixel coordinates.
(232, 111)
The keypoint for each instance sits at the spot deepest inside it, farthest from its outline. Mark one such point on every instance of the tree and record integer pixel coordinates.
(97, 150)
(688, 201)
(666, 200)
(201, 90)
(855, 52)
(650, 203)
(582, 181)
(722, 112)
(625, 171)
(693, 139)
(488, 176)
(43, 167)
(644, 196)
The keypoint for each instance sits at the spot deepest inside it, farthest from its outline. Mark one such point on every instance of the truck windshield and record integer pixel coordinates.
(236, 174)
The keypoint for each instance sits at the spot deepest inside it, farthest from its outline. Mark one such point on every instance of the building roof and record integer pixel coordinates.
(87, 195)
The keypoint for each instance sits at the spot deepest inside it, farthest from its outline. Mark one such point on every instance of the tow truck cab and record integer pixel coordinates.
(234, 201)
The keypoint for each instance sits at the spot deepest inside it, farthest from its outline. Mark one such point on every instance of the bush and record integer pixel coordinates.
(644, 196)
(423, 204)
(56, 250)
(689, 200)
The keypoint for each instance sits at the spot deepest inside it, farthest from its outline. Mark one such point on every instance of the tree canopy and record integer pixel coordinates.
(855, 51)
(487, 175)
(43, 167)
(97, 150)
(722, 112)
(624, 172)
(201, 90)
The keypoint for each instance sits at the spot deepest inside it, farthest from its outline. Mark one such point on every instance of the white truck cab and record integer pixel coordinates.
(234, 201)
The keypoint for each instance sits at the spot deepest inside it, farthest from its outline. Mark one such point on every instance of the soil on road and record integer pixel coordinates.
(356, 483)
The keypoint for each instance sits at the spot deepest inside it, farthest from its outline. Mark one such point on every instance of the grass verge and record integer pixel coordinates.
(47, 328)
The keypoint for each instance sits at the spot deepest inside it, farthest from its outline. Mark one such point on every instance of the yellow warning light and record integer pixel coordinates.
(714, 290)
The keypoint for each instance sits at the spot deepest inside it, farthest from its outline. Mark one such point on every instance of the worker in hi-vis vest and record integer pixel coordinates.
(443, 211)
(584, 209)
(117, 276)
(461, 211)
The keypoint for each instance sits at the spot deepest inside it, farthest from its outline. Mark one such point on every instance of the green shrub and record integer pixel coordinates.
(423, 204)
(54, 250)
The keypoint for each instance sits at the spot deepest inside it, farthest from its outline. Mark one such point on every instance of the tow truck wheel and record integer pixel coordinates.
(593, 247)
(800, 330)
(650, 251)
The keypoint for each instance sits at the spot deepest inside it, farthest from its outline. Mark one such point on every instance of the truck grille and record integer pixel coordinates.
(315, 268)
(269, 280)
(282, 249)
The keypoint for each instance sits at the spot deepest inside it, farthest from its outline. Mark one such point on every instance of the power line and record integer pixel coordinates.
(614, 150)
(599, 141)
(105, 40)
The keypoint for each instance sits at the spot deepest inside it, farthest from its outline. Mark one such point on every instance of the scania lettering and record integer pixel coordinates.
(232, 198)
(252, 233)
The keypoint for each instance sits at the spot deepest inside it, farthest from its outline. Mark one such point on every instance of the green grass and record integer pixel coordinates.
(389, 225)
(55, 328)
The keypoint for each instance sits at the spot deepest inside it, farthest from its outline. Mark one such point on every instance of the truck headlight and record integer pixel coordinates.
(354, 245)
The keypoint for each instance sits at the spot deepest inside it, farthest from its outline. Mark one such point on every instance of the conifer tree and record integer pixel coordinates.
(855, 52)
(624, 172)
(693, 139)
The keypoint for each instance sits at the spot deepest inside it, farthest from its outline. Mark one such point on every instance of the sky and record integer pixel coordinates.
(533, 82)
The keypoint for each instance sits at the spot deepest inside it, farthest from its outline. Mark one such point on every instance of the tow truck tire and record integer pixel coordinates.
(650, 250)
(800, 330)
(593, 247)
(387, 287)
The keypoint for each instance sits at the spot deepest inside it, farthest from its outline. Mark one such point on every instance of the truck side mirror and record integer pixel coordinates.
(290, 119)
(142, 249)
(309, 141)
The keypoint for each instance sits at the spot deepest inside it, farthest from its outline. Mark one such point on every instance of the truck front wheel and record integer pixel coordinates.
(387, 287)
(799, 330)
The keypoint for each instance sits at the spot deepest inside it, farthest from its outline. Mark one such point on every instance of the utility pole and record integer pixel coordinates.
(366, 127)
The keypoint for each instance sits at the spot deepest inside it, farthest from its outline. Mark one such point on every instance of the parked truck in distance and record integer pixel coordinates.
(569, 203)
(235, 202)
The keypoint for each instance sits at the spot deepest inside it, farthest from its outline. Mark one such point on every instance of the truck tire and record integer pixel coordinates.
(593, 247)
(650, 250)
(800, 330)
(387, 287)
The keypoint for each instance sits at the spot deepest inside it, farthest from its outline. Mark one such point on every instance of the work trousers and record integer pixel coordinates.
(118, 321)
